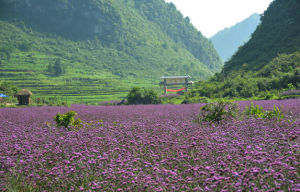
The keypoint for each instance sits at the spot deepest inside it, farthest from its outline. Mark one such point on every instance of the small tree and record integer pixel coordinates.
(7, 49)
(57, 67)
(8, 88)
(135, 96)
(50, 68)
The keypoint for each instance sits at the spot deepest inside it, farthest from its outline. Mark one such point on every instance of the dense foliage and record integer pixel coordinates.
(148, 148)
(8, 88)
(230, 39)
(268, 63)
(282, 73)
(143, 96)
(104, 47)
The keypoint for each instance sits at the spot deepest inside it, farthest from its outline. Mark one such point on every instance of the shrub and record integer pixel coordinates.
(259, 112)
(151, 97)
(215, 112)
(275, 113)
(67, 119)
(143, 96)
(256, 111)
(267, 95)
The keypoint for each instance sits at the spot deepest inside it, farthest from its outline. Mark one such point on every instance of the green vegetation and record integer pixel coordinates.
(67, 119)
(138, 42)
(8, 88)
(96, 50)
(220, 110)
(256, 111)
(267, 64)
(259, 112)
(282, 73)
(143, 96)
(180, 30)
(215, 112)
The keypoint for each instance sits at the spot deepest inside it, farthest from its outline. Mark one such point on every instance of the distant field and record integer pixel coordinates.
(90, 86)
(148, 148)
(77, 87)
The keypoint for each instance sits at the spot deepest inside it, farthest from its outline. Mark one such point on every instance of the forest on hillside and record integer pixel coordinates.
(267, 64)
(104, 47)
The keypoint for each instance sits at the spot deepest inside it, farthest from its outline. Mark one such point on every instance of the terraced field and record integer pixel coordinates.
(78, 86)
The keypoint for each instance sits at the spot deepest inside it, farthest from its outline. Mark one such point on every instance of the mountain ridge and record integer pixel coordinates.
(229, 39)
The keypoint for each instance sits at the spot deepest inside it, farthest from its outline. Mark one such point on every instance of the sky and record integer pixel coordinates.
(211, 16)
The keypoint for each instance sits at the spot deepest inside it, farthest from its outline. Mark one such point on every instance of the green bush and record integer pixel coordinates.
(143, 96)
(275, 113)
(67, 119)
(256, 111)
(8, 88)
(215, 112)
(259, 112)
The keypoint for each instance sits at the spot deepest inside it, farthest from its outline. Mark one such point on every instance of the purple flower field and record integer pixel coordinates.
(148, 148)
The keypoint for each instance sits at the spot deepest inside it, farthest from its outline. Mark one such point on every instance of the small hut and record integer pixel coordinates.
(23, 96)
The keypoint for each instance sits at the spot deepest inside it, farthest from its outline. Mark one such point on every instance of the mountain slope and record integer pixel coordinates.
(278, 33)
(228, 40)
(104, 47)
(268, 62)
(180, 30)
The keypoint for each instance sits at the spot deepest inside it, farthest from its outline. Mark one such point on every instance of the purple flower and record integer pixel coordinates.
(149, 148)
(236, 174)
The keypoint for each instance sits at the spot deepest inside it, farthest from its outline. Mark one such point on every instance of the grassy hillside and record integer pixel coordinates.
(104, 48)
(268, 63)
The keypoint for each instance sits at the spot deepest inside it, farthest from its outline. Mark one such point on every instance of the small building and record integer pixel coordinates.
(175, 80)
(24, 96)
